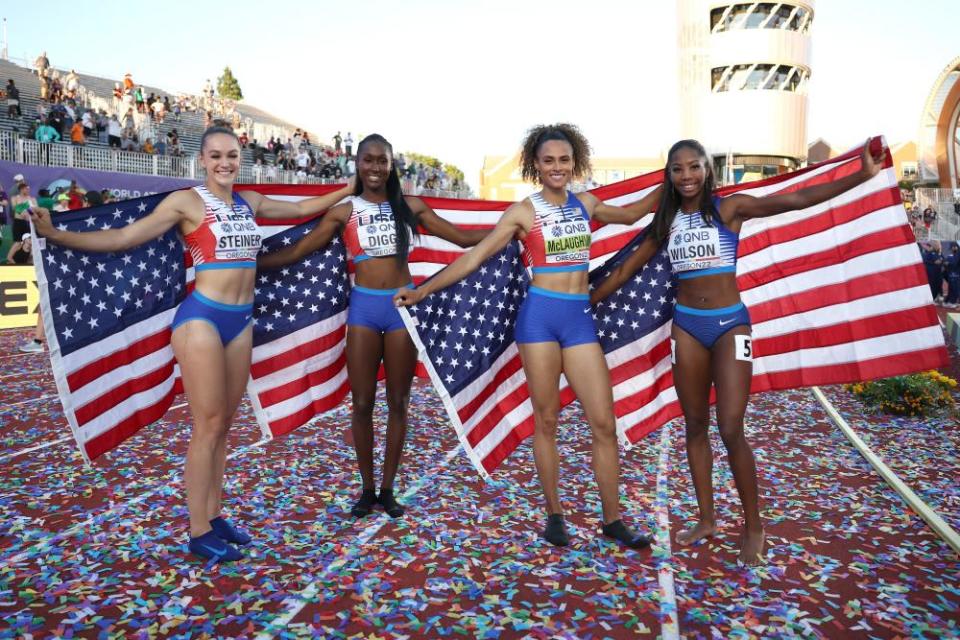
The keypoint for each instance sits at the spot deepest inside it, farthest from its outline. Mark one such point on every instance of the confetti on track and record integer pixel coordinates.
(99, 551)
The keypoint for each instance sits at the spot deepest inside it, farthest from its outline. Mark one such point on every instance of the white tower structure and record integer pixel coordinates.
(744, 68)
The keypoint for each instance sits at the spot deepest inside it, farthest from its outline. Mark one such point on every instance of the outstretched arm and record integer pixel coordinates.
(168, 213)
(625, 270)
(745, 207)
(629, 214)
(318, 238)
(266, 207)
(508, 226)
(444, 229)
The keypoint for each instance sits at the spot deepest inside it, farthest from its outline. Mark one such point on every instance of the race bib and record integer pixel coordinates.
(378, 239)
(566, 241)
(694, 249)
(237, 236)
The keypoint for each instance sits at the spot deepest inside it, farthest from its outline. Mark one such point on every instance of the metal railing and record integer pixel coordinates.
(946, 206)
(14, 148)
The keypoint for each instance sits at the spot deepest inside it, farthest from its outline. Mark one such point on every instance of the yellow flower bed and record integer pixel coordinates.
(919, 394)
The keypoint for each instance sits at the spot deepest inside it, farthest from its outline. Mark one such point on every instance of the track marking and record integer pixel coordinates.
(297, 602)
(38, 399)
(922, 509)
(669, 628)
(36, 448)
(21, 374)
(118, 508)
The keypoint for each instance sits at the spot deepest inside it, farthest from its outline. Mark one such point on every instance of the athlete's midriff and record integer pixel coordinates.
(709, 292)
(229, 286)
(382, 273)
(563, 282)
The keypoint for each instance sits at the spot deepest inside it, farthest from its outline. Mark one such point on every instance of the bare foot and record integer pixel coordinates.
(751, 548)
(697, 532)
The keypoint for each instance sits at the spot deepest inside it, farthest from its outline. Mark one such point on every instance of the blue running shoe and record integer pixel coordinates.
(226, 532)
(211, 547)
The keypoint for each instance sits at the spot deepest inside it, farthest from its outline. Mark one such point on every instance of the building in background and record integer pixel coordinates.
(905, 156)
(744, 69)
(500, 175)
(939, 144)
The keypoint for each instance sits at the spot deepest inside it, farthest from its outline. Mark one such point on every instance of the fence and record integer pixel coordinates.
(946, 205)
(14, 148)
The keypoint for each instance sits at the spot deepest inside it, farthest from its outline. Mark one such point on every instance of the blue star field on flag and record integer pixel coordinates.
(94, 295)
(466, 326)
(293, 297)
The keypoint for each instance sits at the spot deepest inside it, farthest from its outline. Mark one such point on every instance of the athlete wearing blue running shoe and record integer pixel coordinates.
(212, 329)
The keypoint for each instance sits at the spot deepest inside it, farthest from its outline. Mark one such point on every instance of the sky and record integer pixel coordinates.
(463, 79)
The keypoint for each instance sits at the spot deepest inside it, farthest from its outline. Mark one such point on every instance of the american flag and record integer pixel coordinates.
(837, 292)
(107, 320)
(299, 368)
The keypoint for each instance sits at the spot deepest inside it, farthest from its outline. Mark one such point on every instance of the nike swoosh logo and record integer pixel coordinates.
(724, 323)
(217, 552)
(586, 310)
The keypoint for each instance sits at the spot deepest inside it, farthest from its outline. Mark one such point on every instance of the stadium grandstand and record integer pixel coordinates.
(173, 133)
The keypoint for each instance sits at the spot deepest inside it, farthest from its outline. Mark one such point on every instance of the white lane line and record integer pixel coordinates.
(116, 509)
(668, 596)
(922, 509)
(297, 602)
(170, 478)
(37, 399)
(61, 440)
(21, 374)
(36, 448)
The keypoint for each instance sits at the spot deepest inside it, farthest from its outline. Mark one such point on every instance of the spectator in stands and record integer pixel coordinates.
(951, 272)
(71, 84)
(4, 209)
(93, 198)
(271, 145)
(21, 252)
(47, 133)
(117, 96)
(56, 90)
(114, 132)
(129, 142)
(21, 204)
(105, 196)
(75, 197)
(933, 262)
(157, 109)
(138, 99)
(44, 89)
(128, 82)
(303, 160)
(76, 134)
(244, 140)
(57, 119)
(929, 216)
(161, 147)
(148, 146)
(129, 122)
(337, 142)
(44, 199)
(13, 100)
(41, 64)
(88, 121)
(103, 124)
(348, 143)
(178, 107)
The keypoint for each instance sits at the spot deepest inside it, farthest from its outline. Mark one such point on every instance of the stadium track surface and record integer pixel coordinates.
(99, 551)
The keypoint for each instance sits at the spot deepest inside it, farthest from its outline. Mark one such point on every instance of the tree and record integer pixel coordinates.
(228, 87)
